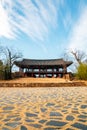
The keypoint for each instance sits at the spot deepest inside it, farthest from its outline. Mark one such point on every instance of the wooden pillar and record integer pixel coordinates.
(52, 72)
(39, 71)
(21, 70)
(32, 72)
(57, 72)
(64, 70)
(46, 71)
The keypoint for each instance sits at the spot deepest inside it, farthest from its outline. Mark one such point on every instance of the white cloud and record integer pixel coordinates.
(5, 28)
(67, 20)
(25, 16)
(78, 37)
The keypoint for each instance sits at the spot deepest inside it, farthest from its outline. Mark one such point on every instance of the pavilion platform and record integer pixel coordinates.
(41, 82)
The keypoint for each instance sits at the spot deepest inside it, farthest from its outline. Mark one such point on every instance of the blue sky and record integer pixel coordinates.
(43, 29)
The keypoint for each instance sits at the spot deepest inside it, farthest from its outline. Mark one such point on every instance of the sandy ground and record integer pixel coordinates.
(47, 108)
(37, 80)
(43, 108)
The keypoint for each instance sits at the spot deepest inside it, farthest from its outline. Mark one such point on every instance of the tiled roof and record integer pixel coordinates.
(50, 62)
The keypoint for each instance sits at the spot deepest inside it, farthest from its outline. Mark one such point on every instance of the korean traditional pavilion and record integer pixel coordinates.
(43, 68)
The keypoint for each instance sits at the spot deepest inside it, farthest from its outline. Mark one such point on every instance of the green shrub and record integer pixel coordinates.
(82, 71)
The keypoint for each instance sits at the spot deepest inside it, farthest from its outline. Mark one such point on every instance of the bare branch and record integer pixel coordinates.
(79, 56)
(10, 56)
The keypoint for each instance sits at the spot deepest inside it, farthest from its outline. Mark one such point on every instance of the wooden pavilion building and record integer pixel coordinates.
(43, 68)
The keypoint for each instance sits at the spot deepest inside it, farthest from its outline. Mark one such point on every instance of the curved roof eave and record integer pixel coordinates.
(50, 62)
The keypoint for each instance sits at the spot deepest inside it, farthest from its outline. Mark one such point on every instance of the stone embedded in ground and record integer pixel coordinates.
(49, 128)
(80, 126)
(4, 128)
(31, 115)
(84, 112)
(42, 121)
(64, 111)
(70, 104)
(23, 128)
(56, 123)
(70, 118)
(36, 125)
(75, 111)
(55, 114)
(58, 107)
(82, 120)
(67, 107)
(13, 124)
(8, 108)
(28, 120)
(50, 104)
(11, 116)
(82, 116)
(43, 109)
(69, 129)
(83, 106)
(17, 119)
(5, 120)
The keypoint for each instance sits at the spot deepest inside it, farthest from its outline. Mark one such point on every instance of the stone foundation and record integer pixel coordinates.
(68, 84)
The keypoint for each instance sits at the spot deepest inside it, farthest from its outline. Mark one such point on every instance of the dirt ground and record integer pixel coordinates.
(37, 80)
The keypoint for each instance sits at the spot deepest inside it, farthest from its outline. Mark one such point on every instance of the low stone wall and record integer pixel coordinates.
(68, 84)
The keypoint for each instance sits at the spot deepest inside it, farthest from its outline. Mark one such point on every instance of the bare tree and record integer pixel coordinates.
(79, 56)
(11, 55)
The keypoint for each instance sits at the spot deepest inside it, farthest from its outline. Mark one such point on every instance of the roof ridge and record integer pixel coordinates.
(42, 59)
